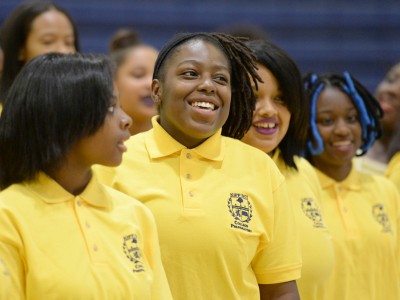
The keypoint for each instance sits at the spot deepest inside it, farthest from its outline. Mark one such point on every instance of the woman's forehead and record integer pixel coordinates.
(199, 50)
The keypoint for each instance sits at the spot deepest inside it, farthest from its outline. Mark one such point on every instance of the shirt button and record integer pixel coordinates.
(188, 156)
(87, 225)
(344, 209)
(188, 176)
(191, 194)
(79, 203)
(95, 248)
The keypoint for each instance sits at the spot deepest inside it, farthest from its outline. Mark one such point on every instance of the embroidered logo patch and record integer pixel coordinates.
(312, 211)
(380, 215)
(241, 210)
(132, 252)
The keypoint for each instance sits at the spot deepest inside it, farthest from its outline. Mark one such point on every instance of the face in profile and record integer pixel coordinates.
(50, 31)
(338, 124)
(388, 95)
(106, 145)
(271, 117)
(194, 92)
(133, 79)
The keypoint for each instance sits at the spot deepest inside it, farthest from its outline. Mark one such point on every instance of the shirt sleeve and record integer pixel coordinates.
(280, 260)
(11, 273)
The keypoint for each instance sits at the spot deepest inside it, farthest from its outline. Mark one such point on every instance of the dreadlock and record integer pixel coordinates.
(243, 66)
(367, 106)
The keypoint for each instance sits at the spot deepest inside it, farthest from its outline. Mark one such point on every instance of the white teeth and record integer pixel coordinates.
(266, 125)
(343, 143)
(204, 105)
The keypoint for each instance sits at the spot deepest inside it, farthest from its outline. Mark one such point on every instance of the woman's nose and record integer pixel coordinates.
(341, 128)
(207, 85)
(126, 120)
(265, 106)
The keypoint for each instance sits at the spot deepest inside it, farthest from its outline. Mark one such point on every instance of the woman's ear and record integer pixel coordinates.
(156, 91)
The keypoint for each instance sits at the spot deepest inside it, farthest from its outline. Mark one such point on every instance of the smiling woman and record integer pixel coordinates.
(222, 210)
(362, 211)
(279, 129)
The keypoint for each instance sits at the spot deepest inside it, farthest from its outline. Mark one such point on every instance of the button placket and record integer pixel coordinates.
(187, 167)
(345, 211)
(83, 211)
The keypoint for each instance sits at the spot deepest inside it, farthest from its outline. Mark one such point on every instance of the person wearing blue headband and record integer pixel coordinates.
(362, 211)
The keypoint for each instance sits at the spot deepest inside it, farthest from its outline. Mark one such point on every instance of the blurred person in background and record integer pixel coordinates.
(135, 64)
(393, 169)
(123, 38)
(388, 94)
(34, 28)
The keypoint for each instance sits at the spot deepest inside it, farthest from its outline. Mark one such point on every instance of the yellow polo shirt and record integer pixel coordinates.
(362, 213)
(364, 164)
(393, 170)
(222, 210)
(101, 244)
(316, 242)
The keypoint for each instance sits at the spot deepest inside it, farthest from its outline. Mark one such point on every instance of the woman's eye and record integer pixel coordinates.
(221, 78)
(111, 108)
(280, 100)
(47, 42)
(325, 122)
(189, 73)
(352, 119)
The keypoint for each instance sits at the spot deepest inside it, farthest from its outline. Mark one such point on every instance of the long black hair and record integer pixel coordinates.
(14, 33)
(288, 75)
(56, 100)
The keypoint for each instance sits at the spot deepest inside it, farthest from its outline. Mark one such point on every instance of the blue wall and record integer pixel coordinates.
(362, 37)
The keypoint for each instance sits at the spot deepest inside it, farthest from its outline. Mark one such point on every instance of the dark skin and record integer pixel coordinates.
(200, 73)
(279, 291)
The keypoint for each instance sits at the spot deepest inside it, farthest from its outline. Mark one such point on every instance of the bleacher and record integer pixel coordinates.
(362, 37)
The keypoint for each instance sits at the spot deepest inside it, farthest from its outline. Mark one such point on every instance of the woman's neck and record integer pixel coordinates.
(336, 172)
(73, 180)
(140, 127)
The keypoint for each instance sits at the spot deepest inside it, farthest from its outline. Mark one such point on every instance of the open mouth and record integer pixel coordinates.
(342, 144)
(204, 105)
(265, 125)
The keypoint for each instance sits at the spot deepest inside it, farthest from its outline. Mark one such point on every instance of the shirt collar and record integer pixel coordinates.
(351, 182)
(51, 192)
(159, 144)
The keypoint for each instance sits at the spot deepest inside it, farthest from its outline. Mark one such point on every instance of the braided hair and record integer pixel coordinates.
(367, 106)
(243, 66)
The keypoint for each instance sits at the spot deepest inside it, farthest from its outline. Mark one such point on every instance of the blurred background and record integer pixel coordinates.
(360, 36)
